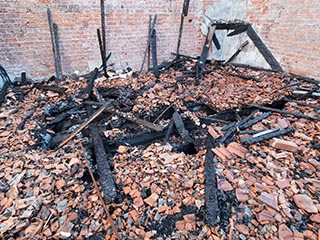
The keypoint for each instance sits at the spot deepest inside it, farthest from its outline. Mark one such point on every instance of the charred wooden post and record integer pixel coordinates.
(202, 61)
(52, 41)
(184, 13)
(103, 29)
(149, 41)
(86, 92)
(4, 83)
(102, 54)
(104, 169)
(148, 45)
(57, 47)
(211, 191)
(154, 53)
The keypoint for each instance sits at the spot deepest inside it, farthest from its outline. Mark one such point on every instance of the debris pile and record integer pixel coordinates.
(232, 155)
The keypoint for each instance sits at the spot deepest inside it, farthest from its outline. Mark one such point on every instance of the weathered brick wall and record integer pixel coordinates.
(289, 28)
(291, 31)
(25, 43)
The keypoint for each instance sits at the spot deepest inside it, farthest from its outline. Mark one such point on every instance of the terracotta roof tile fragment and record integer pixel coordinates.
(305, 202)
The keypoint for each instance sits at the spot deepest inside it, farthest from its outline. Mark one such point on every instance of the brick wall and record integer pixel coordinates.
(25, 43)
(291, 31)
(289, 28)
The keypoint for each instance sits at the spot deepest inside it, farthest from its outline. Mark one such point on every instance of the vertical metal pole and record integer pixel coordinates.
(57, 45)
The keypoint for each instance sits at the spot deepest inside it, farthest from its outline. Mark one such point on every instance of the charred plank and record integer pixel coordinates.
(104, 169)
(259, 137)
(211, 193)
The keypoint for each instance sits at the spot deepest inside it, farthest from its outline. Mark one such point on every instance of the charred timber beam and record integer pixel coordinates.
(238, 31)
(233, 129)
(255, 120)
(105, 175)
(305, 79)
(302, 103)
(284, 113)
(263, 49)
(259, 137)
(86, 92)
(57, 48)
(229, 26)
(84, 125)
(183, 15)
(202, 61)
(154, 53)
(149, 40)
(103, 29)
(183, 132)
(211, 193)
(242, 46)
(51, 88)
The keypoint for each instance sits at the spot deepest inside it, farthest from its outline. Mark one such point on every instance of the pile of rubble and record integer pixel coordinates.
(231, 156)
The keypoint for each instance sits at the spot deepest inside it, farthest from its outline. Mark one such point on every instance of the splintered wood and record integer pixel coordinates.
(266, 187)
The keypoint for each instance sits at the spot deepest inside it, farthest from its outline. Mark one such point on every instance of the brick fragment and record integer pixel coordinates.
(284, 145)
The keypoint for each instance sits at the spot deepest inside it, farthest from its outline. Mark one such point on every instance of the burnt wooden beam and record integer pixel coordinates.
(86, 92)
(305, 79)
(232, 129)
(183, 132)
(255, 120)
(284, 113)
(310, 93)
(26, 117)
(104, 168)
(169, 131)
(52, 41)
(154, 53)
(216, 42)
(205, 50)
(242, 46)
(4, 83)
(238, 31)
(211, 192)
(65, 114)
(266, 53)
(84, 125)
(262, 136)
(302, 103)
(57, 48)
(102, 53)
(149, 40)
(60, 90)
(103, 29)
(184, 13)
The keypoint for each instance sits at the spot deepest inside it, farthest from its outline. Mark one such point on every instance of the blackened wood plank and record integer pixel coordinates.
(105, 175)
(266, 53)
(211, 197)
